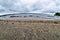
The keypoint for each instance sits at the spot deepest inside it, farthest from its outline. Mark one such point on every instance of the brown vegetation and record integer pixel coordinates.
(29, 30)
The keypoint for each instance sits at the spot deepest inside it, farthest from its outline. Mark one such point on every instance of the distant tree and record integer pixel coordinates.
(57, 14)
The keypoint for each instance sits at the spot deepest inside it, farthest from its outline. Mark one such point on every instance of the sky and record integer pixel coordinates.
(30, 6)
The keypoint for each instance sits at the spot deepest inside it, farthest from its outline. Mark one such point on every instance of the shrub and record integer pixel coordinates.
(30, 15)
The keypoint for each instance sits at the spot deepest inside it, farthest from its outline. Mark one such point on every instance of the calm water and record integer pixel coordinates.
(30, 15)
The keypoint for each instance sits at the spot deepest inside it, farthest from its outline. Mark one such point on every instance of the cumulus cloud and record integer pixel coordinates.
(35, 6)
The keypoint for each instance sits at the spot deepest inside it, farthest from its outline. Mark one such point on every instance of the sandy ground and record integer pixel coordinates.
(29, 30)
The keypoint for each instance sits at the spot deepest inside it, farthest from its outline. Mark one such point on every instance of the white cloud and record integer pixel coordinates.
(31, 5)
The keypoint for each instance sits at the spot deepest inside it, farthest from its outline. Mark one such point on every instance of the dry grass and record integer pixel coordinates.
(29, 30)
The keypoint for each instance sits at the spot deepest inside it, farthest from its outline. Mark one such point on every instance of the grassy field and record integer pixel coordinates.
(29, 30)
